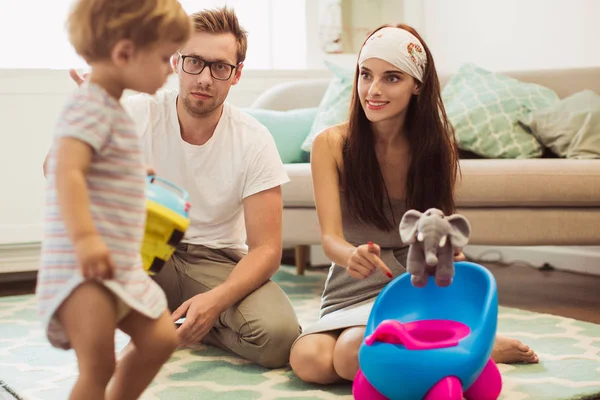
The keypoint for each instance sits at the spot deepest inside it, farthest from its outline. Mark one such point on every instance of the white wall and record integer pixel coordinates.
(358, 15)
(512, 34)
(500, 35)
(30, 101)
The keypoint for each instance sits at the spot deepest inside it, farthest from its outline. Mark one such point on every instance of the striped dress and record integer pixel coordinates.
(116, 185)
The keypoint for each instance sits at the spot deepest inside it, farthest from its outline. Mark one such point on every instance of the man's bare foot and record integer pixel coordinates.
(511, 351)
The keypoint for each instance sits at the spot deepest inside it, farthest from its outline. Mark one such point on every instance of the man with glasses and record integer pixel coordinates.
(194, 65)
(219, 277)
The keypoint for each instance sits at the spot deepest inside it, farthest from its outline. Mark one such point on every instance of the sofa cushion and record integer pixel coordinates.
(495, 183)
(335, 105)
(529, 183)
(570, 128)
(298, 192)
(485, 108)
(288, 128)
(542, 226)
(301, 93)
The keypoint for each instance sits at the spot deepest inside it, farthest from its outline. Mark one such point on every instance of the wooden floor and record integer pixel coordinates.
(555, 292)
(17, 283)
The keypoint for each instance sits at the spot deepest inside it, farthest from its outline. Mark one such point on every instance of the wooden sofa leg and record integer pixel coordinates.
(302, 257)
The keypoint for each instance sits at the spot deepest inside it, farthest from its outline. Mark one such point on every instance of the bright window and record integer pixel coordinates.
(35, 36)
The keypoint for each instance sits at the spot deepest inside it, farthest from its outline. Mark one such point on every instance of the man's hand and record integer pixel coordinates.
(78, 79)
(45, 165)
(201, 313)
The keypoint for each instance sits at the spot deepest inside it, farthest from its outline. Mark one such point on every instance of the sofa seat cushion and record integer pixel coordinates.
(495, 183)
(298, 192)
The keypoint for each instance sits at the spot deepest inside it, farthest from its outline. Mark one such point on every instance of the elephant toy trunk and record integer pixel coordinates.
(431, 259)
(431, 245)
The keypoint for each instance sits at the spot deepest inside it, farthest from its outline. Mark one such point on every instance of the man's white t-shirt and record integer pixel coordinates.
(239, 160)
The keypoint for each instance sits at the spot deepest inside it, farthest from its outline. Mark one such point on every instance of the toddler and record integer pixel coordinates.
(91, 280)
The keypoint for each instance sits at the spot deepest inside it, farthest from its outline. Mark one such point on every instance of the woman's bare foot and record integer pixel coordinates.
(510, 351)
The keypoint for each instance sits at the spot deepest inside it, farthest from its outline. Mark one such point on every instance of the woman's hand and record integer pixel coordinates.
(364, 260)
(459, 255)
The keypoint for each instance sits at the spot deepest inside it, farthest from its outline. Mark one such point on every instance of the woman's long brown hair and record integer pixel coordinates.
(433, 153)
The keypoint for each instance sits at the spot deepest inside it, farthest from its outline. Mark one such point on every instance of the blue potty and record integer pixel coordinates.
(432, 342)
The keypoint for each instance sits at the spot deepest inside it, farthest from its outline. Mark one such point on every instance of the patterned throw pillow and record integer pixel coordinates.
(335, 105)
(485, 108)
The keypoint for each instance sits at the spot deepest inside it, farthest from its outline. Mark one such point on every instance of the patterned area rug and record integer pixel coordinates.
(31, 369)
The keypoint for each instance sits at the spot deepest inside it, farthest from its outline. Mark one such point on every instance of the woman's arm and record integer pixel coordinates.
(362, 260)
(326, 185)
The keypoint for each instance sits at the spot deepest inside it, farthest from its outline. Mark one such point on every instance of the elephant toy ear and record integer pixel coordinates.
(408, 226)
(461, 230)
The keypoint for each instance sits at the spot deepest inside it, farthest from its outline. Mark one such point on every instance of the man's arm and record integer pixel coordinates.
(263, 212)
(263, 215)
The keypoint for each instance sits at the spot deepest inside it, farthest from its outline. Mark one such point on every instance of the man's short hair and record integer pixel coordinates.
(95, 26)
(222, 20)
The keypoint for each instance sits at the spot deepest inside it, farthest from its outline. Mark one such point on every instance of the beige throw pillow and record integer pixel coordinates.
(571, 127)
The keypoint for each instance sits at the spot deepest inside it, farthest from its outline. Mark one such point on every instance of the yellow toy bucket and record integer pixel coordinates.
(167, 220)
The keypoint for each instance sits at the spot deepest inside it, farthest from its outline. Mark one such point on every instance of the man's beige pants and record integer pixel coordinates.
(262, 327)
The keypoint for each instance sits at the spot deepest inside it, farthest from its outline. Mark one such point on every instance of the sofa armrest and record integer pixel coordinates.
(291, 95)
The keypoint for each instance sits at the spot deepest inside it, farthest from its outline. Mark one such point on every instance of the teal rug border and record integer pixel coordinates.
(9, 390)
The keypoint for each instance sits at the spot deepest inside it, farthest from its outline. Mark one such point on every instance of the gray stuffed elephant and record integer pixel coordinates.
(433, 237)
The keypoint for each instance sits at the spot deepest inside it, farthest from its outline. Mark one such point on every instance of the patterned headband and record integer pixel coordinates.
(398, 47)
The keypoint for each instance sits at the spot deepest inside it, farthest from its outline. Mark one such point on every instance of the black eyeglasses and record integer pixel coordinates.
(194, 65)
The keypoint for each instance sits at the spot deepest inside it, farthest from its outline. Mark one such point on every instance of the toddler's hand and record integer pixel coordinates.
(94, 258)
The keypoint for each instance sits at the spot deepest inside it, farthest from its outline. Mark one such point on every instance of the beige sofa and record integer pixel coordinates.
(508, 202)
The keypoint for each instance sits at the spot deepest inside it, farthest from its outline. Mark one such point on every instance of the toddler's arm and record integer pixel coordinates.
(73, 159)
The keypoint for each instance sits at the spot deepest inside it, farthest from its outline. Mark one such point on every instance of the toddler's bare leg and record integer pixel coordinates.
(89, 318)
(152, 343)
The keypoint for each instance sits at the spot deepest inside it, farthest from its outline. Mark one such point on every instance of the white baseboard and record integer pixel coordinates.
(19, 257)
(580, 259)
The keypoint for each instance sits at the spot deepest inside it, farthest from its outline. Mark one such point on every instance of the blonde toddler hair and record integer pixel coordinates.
(95, 26)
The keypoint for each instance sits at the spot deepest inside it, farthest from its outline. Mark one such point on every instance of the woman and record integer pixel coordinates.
(396, 152)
